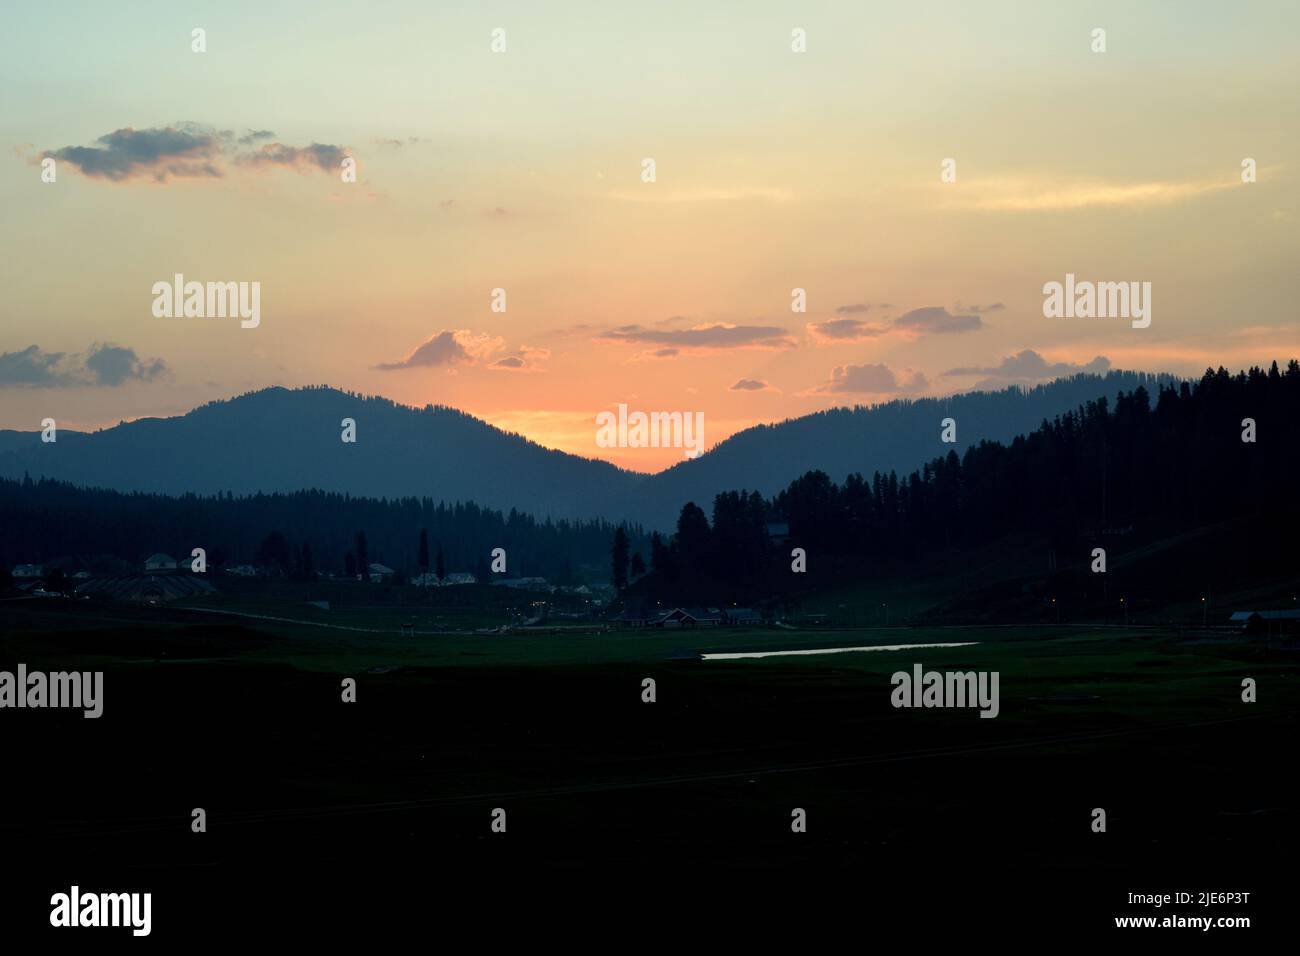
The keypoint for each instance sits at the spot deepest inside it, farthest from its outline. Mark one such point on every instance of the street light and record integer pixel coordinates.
(1125, 606)
(1204, 611)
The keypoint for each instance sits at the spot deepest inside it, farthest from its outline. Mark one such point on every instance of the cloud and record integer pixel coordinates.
(187, 151)
(526, 358)
(979, 309)
(102, 366)
(750, 385)
(1027, 367)
(1038, 194)
(930, 320)
(872, 380)
(390, 143)
(113, 365)
(938, 320)
(158, 154)
(321, 156)
(447, 348)
(704, 338)
(31, 367)
(844, 330)
(853, 309)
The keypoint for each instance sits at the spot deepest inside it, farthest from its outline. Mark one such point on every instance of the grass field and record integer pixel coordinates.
(245, 719)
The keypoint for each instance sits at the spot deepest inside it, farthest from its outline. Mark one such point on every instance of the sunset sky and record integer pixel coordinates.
(521, 170)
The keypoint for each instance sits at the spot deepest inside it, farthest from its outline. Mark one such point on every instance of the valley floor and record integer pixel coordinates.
(245, 719)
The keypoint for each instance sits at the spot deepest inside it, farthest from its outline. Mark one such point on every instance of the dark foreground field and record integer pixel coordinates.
(665, 805)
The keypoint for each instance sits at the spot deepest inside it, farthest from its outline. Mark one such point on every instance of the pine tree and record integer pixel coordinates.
(619, 556)
(422, 559)
(363, 558)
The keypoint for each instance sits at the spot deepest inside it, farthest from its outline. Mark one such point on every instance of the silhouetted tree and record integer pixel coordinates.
(274, 552)
(618, 554)
(363, 556)
(422, 556)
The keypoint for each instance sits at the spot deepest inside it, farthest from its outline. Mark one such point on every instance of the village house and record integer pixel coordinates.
(691, 617)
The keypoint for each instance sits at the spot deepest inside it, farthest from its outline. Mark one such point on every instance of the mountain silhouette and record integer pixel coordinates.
(280, 440)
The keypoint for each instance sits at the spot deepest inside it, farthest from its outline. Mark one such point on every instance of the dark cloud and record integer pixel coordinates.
(749, 385)
(1028, 366)
(187, 151)
(854, 309)
(937, 320)
(101, 366)
(510, 361)
(159, 154)
(871, 379)
(705, 338)
(113, 365)
(31, 367)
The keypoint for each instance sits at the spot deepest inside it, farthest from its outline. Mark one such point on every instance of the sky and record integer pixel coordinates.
(523, 170)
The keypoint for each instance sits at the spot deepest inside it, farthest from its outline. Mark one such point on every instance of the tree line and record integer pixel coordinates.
(297, 534)
(1223, 449)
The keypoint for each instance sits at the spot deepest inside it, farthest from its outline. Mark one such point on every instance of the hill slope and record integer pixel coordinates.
(280, 440)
